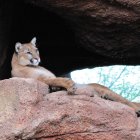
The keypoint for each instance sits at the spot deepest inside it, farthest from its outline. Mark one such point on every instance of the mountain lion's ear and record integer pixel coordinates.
(33, 41)
(18, 46)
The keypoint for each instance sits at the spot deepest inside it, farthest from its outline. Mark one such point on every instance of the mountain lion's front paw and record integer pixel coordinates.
(70, 86)
(72, 90)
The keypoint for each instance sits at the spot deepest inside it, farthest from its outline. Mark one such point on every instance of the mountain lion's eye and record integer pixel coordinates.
(29, 52)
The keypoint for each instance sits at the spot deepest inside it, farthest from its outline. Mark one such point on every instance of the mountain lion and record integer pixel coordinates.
(25, 63)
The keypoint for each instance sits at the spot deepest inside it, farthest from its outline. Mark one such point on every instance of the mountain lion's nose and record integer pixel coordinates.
(34, 60)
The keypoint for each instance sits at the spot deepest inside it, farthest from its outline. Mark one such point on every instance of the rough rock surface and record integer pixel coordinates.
(110, 28)
(28, 112)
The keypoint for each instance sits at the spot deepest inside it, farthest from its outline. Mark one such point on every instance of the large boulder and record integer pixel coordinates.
(28, 111)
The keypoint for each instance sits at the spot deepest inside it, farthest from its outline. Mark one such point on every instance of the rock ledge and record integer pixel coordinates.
(27, 111)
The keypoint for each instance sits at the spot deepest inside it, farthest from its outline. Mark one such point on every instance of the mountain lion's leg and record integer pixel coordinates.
(106, 93)
(66, 83)
(115, 97)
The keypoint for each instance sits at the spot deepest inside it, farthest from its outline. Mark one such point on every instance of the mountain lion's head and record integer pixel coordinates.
(27, 54)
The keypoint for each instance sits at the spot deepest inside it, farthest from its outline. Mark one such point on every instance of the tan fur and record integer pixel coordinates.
(22, 67)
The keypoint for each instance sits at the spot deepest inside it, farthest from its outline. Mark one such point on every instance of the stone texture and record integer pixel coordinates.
(18, 100)
(110, 28)
(27, 111)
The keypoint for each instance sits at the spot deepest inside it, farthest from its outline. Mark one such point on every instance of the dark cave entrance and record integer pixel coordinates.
(54, 37)
(55, 40)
